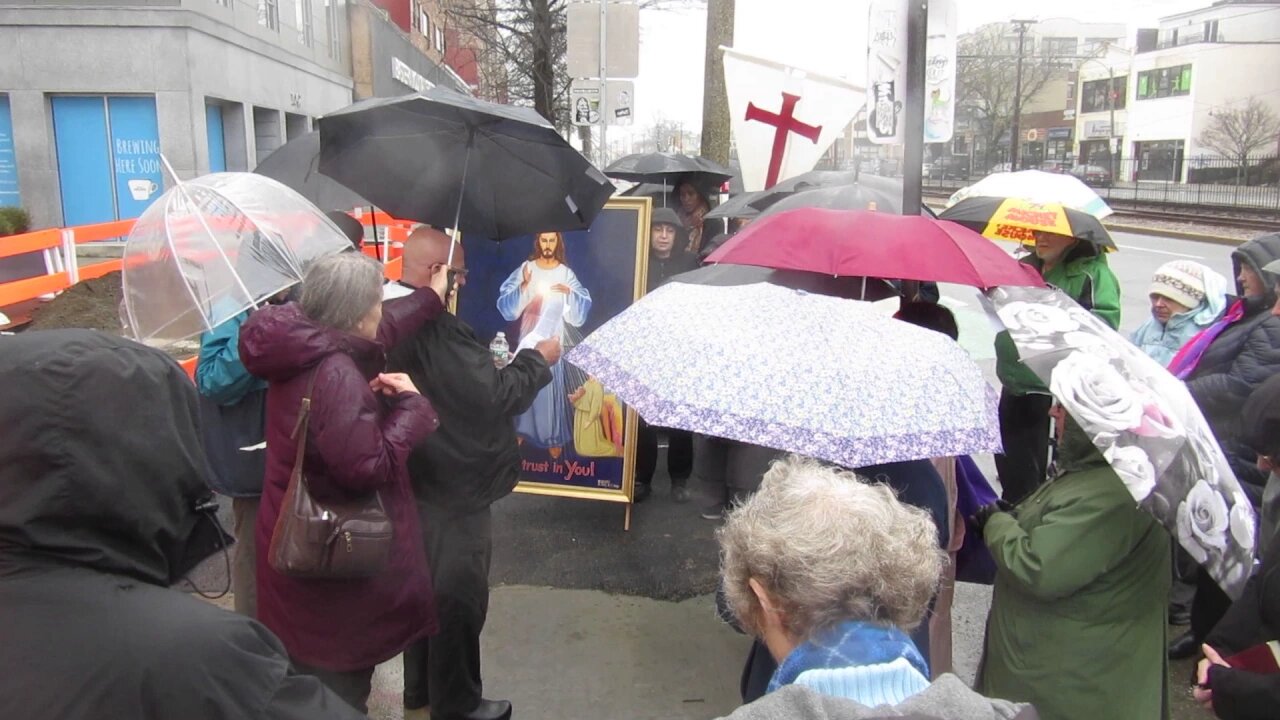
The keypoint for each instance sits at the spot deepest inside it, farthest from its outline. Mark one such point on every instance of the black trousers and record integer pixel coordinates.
(354, 686)
(679, 454)
(1024, 430)
(444, 670)
(1208, 607)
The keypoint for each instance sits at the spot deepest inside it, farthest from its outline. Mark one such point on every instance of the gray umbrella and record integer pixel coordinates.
(847, 197)
(738, 206)
(296, 165)
(450, 160)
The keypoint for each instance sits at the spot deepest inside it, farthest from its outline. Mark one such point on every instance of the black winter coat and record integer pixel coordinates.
(101, 470)
(1239, 360)
(473, 460)
(1252, 620)
(663, 269)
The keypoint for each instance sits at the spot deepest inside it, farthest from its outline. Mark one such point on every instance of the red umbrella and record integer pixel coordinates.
(874, 244)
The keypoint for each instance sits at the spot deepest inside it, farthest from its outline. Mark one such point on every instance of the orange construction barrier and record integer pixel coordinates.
(62, 242)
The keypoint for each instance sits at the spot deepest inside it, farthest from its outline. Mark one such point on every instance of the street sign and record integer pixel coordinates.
(940, 72)
(622, 39)
(886, 70)
(587, 108)
(584, 102)
(622, 94)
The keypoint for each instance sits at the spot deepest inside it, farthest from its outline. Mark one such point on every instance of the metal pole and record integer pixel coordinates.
(1016, 129)
(1113, 144)
(604, 90)
(913, 118)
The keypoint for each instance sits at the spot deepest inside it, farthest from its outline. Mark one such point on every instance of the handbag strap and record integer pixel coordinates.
(304, 414)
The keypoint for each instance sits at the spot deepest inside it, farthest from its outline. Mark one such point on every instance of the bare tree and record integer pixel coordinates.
(715, 100)
(523, 44)
(1239, 132)
(986, 82)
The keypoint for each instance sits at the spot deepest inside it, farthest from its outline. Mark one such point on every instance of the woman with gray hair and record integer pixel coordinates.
(331, 347)
(831, 571)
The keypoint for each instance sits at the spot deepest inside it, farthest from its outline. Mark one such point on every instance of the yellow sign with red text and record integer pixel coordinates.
(1018, 220)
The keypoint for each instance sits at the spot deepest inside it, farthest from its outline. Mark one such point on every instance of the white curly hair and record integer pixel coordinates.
(828, 546)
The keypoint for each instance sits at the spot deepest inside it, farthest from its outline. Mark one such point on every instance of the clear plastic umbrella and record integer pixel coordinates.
(210, 248)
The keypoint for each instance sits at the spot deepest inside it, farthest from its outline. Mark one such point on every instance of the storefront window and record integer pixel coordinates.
(1160, 160)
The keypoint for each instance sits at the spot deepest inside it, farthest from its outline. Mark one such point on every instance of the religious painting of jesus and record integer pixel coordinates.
(576, 439)
(544, 296)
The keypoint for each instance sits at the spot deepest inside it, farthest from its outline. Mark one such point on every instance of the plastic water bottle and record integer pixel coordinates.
(500, 350)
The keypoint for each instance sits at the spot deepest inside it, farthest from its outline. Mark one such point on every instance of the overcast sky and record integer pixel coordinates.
(816, 34)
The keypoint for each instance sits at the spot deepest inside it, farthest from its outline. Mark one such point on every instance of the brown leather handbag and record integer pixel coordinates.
(329, 539)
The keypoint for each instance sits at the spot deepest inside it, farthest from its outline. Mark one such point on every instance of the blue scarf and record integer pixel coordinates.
(848, 644)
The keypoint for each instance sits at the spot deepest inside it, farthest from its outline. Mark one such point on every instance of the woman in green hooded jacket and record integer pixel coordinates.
(1077, 623)
(1079, 269)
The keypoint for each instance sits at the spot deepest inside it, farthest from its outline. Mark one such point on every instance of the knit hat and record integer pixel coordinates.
(1181, 281)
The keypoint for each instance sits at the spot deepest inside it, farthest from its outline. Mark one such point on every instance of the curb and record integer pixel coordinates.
(1176, 234)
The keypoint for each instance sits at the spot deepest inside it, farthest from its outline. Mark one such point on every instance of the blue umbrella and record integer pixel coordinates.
(812, 374)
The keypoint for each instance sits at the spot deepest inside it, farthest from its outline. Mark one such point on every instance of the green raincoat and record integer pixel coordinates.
(1085, 277)
(1077, 623)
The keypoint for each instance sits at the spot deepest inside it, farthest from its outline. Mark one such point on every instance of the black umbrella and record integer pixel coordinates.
(852, 288)
(645, 167)
(296, 165)
(450, 160)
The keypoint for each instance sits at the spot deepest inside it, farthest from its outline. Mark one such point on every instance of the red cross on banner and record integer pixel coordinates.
(783, 118)
(786, 123)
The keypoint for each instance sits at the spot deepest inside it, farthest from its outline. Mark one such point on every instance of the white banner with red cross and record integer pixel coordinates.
(783, 118)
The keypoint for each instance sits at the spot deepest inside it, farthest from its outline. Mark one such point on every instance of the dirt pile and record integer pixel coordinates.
(92, 304)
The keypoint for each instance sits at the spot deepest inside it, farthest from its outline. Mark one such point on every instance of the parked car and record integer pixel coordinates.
(1093, 175)
(1001, 167)
(1055, 166)
(948, 167)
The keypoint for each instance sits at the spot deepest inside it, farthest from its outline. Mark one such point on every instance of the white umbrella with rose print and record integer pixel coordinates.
(1145, 423)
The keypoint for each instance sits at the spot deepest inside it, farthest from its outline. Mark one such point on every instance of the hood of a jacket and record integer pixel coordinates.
(101, 464)
(1076, 451)
(667, 216)
(1260, 419)
(1257, 254)
(280, 342)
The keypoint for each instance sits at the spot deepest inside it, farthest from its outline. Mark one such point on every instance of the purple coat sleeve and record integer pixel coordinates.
(402, 316)
(362, 445)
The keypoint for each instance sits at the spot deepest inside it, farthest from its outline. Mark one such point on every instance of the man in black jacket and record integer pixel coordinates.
(103, 506)
(472, 461)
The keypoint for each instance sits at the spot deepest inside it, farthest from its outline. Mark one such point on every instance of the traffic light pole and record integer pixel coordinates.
(1015, 130)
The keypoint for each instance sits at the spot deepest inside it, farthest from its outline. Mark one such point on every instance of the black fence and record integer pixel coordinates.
(1154, 179)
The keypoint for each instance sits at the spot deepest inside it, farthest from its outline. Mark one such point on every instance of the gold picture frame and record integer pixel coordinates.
(620, 233)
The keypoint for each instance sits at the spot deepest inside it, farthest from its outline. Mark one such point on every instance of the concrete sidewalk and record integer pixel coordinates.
(585, 654)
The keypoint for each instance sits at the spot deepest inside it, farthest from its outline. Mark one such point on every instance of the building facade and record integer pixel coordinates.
(94, 95)
(387, 61)
(1196, 64)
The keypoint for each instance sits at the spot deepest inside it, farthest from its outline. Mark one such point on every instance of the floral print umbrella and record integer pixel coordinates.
(812, 374)
(1145, 423)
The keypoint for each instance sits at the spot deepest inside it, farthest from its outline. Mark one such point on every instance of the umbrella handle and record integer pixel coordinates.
(462, 190)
